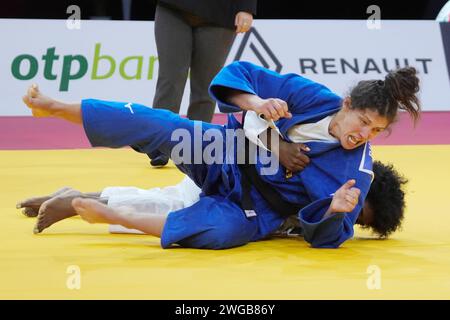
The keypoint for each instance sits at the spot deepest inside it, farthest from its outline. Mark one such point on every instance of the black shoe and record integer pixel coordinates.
(159, 161)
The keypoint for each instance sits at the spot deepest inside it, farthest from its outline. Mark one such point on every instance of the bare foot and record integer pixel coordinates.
(56, 209)
(31, 205)
(40, 105)
(94, 211)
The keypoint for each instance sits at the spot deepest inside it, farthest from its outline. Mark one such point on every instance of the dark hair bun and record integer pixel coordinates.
(402, 85)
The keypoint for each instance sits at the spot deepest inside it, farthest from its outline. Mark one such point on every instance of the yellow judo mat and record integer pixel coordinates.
(412, 264)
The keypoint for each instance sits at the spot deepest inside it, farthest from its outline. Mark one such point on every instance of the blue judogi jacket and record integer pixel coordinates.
(331, 165)
(217, 220)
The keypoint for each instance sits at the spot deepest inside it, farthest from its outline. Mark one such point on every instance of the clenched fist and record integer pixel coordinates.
(346, 198)
(272, 108)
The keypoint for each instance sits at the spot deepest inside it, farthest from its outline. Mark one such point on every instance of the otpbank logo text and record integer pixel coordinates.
(74, 67)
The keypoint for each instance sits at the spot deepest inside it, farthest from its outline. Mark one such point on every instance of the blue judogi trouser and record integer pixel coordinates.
(216, 221)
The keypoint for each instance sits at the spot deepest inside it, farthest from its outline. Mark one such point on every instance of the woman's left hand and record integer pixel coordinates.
(345, 198)
(243, 21)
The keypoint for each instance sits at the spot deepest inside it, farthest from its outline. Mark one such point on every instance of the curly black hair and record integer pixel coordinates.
(387, 199)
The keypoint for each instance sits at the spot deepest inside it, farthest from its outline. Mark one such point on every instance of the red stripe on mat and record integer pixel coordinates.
(19, 133)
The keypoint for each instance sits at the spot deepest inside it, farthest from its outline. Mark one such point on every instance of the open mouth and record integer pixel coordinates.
(353, 141)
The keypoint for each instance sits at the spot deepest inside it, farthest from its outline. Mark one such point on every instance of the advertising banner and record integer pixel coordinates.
(117, 60)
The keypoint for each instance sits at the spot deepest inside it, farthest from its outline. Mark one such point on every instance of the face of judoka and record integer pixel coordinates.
(354, 127)
(365, 217)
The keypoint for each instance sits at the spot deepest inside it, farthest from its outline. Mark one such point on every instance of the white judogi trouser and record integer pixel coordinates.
(151, 201)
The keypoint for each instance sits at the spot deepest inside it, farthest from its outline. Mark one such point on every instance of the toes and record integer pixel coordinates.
(39, 226)
(30, 93)
(22, 204)
(25, 99)
(30, 202)
(28, 101)
(36, 202)
(30, 212)
(33, 91)
(42, 221)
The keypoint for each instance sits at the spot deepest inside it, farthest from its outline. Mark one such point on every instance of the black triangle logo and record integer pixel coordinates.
(253, 41)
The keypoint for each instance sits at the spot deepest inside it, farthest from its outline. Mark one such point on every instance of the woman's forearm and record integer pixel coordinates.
(244, 100)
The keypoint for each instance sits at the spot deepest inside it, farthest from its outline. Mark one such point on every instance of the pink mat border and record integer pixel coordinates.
(28, 133)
